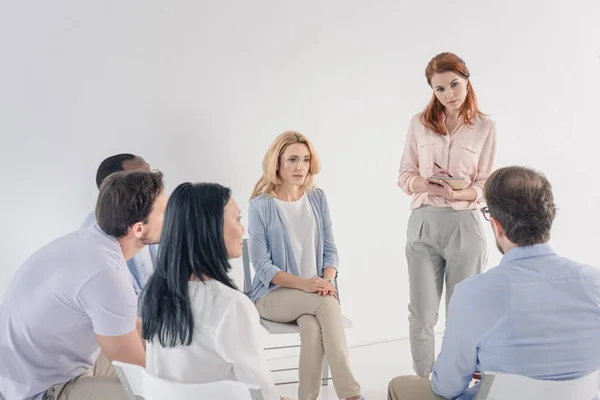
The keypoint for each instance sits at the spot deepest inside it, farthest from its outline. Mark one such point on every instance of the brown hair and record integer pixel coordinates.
(432, 115)
(521, 200)
(127, 198)
(270, 181)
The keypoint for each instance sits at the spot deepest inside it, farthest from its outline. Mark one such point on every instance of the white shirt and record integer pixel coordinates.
(302, 228)
(225, 343)
(141, 266)
(62, 296)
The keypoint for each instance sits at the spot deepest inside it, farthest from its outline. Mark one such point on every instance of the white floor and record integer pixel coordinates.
(374, 366)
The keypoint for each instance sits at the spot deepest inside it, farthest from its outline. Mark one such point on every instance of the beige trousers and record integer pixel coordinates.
(321, 334)
(99, 383)
(411, 388)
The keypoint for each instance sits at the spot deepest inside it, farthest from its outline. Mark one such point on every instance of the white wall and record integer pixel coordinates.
(201, 88)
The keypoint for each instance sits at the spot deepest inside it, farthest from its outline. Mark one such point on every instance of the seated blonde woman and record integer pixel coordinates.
(295, 259)
(198, 327)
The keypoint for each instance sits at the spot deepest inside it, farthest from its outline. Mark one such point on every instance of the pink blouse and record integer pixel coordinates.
(468, 152)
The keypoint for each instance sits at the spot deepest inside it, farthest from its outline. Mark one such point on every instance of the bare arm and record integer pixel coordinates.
(126, 348)
(329, 272)
(138, 326)
(113, 317)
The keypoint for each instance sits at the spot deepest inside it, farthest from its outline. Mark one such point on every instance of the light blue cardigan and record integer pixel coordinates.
(270, 246)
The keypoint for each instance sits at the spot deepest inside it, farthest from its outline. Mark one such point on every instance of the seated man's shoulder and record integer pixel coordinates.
(586, 271)
(576, 266)
(483, 284)
(74, 248)
(561, 268)
(97, 242)
(500, 278)
(89, 220)
(90, 238)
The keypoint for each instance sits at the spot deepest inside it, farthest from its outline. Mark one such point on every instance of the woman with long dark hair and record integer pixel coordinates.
(198, 326)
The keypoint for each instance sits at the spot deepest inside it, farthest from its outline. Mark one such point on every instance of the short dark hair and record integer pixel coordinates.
(111, 165)
(126, 198)
(521, 200)
(192, 244)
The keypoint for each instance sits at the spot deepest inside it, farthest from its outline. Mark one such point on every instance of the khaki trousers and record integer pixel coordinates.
(321, 334)
(411, 388)
(99, 383)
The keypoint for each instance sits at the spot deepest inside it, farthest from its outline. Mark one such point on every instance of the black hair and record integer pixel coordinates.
(192, 245)
(111, 165)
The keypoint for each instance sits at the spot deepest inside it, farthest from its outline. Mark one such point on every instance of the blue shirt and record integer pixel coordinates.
(270, 245)
(140, 266)
(537, 314)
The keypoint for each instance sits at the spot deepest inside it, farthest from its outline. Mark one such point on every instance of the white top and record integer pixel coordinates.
(62, 296)
(141, 266)
(302, 228)
(225, 344)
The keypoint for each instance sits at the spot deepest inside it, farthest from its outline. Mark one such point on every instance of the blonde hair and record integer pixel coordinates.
(270, 181)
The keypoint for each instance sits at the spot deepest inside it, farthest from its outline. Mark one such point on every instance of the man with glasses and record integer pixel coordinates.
(537, 314)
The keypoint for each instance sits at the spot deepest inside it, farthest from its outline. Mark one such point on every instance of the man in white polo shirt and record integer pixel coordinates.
(71, 307)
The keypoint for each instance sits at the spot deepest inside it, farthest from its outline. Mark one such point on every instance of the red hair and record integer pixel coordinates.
(432, 116)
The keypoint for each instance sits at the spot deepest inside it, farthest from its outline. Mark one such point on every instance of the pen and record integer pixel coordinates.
(436, 164)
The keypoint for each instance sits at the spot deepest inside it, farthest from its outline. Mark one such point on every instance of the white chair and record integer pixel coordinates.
(138, 382)
(501, 386)
(276, 328)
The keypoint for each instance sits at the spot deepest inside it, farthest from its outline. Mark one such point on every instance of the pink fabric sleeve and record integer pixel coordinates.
(486, 163)
(409, 164)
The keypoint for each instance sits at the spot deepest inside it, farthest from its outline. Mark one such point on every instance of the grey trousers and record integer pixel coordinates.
(442, 245)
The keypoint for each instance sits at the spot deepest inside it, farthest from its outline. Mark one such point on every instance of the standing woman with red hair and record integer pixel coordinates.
(445, 238)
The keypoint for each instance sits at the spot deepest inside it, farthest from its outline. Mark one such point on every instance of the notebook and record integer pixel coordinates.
(457, 182)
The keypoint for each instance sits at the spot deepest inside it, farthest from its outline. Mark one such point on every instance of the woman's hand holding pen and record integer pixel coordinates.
(442, 171)
(442, 189)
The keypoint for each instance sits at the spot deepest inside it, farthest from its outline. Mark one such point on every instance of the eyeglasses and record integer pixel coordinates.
(486, 213)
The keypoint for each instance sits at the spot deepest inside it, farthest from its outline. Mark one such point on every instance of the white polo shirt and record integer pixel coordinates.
(62, 296)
